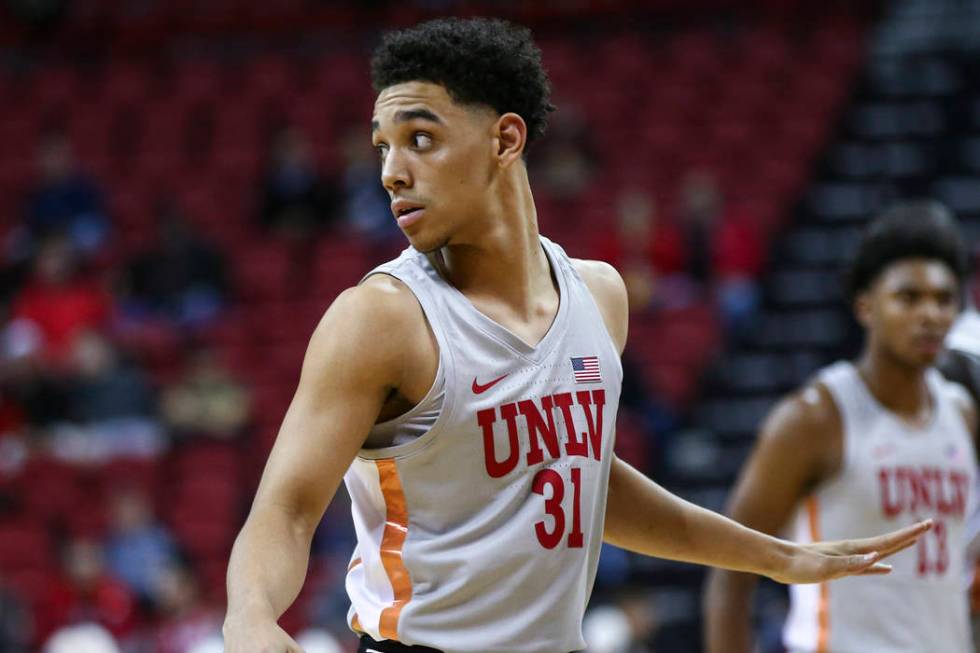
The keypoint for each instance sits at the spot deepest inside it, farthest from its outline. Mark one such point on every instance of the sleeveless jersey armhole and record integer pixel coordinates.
(444, 378)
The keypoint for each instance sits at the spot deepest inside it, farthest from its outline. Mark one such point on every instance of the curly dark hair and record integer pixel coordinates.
(478, 60)
(911, 229)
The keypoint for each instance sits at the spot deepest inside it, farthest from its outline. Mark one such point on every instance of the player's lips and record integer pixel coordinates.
(929, 344)
(407, 213)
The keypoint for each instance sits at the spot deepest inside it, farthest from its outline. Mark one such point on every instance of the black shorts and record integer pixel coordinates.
(390, 646)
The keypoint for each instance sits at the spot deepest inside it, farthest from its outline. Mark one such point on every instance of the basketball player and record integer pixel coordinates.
(868, 446)
(466, 393)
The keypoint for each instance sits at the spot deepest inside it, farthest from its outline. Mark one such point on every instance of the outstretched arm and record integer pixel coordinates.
(353, 362)
(643, 517)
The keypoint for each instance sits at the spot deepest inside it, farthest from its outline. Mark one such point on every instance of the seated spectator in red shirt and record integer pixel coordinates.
(59, 300)
(185, 618)
(647, 249)
(86, 593)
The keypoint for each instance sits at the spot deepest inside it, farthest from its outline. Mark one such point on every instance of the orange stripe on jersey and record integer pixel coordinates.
(823, 611)
(353, 563)
(396, 529)
(355, 623)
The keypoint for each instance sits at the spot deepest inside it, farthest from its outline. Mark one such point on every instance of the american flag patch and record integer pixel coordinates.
(586, 369)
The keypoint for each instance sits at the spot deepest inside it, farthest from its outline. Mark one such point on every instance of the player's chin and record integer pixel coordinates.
(426, 243)
(922, 358)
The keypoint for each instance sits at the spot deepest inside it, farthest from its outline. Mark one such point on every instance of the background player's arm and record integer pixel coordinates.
(799, 445)
(354, 360)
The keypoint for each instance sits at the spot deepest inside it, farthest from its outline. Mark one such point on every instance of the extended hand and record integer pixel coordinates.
(823, 561)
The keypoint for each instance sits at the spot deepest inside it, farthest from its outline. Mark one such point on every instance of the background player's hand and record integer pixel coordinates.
(244, 635)
(823, 561)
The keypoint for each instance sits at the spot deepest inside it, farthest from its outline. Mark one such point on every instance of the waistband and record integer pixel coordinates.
(369, 645)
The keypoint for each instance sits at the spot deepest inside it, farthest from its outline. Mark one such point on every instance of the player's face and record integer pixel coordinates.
(910, 308)
(435, 160)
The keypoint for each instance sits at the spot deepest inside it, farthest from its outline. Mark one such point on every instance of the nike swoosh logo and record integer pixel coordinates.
(480, 389)
(371, 650)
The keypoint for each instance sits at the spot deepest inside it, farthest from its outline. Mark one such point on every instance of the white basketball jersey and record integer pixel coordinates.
(892, 475)
(483, 532)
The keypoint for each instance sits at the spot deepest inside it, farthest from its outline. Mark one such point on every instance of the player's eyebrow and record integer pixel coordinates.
(405, 115)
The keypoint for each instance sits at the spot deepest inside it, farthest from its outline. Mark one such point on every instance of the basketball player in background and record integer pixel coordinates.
(872, 445)
(466, 392)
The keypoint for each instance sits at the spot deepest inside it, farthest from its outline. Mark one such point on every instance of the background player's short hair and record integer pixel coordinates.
(478, 60)
(912, 229)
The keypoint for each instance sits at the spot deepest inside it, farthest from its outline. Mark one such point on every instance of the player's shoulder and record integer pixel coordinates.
(380, 297)
(372, 319)
(806, 425)
(604, 282)
(807, 413)
(599, 274)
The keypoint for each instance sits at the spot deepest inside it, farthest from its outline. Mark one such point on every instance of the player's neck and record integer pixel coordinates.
(898, 387)
(505, 260)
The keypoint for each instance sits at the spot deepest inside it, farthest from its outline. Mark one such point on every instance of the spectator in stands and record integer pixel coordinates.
(111, 406)
(297, 201)
(139, 548)
(59, 301)
(87, 593)
(65, 202)
(181, 280)
(724, 250)
(367, 206)
(185, 619)
(566, 159)
(207, 401)
(648, 250)
(16, 626)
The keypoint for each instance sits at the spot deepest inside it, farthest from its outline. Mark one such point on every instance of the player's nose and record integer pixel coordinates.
(394, 172)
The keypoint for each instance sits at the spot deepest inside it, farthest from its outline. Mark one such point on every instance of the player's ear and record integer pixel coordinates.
(862, 309)
(510, 137)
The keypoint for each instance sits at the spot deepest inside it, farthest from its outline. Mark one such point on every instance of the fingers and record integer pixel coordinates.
(890, 543)
(877, 569)
(861, 563)
(886, 544)
(901, 547)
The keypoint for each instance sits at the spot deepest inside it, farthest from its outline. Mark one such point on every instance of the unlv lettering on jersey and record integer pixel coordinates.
(542, 434)
(923, 491)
